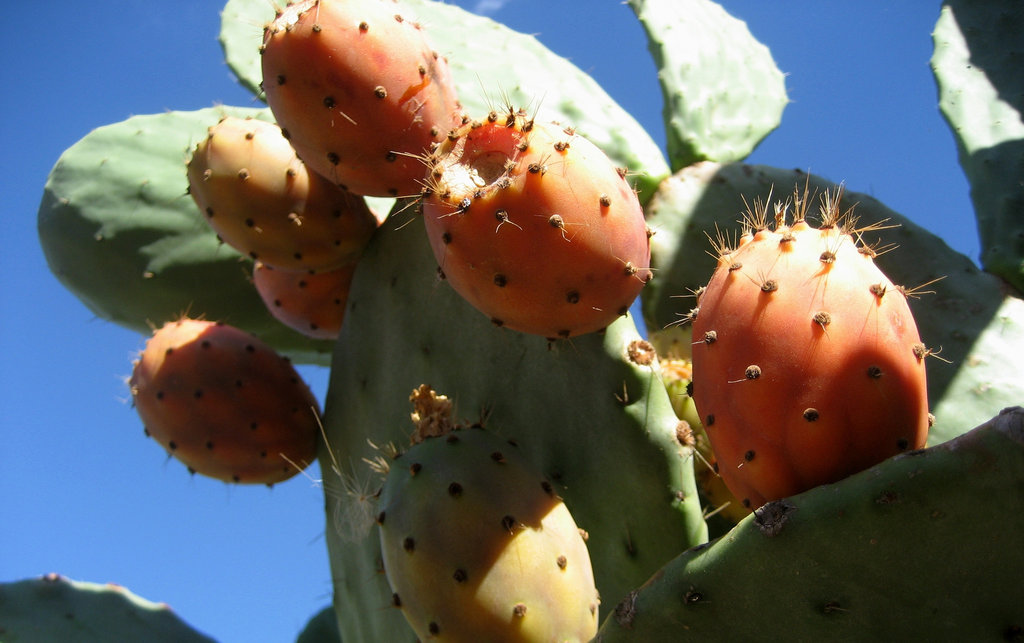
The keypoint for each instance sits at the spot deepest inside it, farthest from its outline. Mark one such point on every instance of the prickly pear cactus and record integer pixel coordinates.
(591, 414)
(976, 64)
(557, 400)
(909, 512)
(117, 201)
(55, 608)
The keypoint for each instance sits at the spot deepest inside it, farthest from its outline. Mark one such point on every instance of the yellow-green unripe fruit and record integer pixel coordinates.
(478, 546)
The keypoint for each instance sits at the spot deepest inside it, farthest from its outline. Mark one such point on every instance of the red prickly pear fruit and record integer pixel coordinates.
(359, 92)
(260, 199)
(535, 227)
(477, 546)
(807, 364)
(310, 303)
(224, 403)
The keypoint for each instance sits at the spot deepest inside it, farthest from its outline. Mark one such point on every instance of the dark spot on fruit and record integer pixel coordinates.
(508, 523)
(902, 444)
(198, 393)
(753, 372)
(460, 576)
(434, 628)
(749, 455)
(874, 372)
(546, 486)
(364, 27)
(455, 490)
(710, 337)
(329, 102)
(811, 415)
(692, 596)
(878, 290)
(396, 600)
(415, 468)
(159, 395)
(390, 157)
(498, 457)
(172, 445)
(497, 322)
(519, 610)
(746, 503)
(500, 280)
(280, 79)
(333, 158)
(605, 200)
(573, 297)
(409, 544)
(446, 238)
(827, 257)
(709, 420)
(380, 92)
(253, 426)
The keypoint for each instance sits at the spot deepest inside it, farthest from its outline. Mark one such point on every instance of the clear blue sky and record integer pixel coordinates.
(83, 493)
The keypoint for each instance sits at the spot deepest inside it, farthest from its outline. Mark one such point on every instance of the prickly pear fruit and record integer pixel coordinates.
(359, 92)
(311, 303)
(261, 200)
(224, 403)
(535, 226)
(476, 544)
(807, 363)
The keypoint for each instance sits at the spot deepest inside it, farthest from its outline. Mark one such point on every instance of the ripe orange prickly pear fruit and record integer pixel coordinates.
(807, 363)
(359, 92)
(311, 303)
(224, 403)
(260, 199)
(535, 226)
(477, 546)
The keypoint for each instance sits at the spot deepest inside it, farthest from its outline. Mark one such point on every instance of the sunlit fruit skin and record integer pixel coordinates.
(359, 92)
(224, 403)
(807, 363)
(263, 201)
(477, 546)
(310, 303)
(535, 226)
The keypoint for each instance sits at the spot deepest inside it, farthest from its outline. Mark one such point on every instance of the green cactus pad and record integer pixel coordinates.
(321, 628)
(977, 62)
(722, 90)
(478, 50)
(55, 608)
(590, 413)
(967, 316)
(923, 547)
(121, 232)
